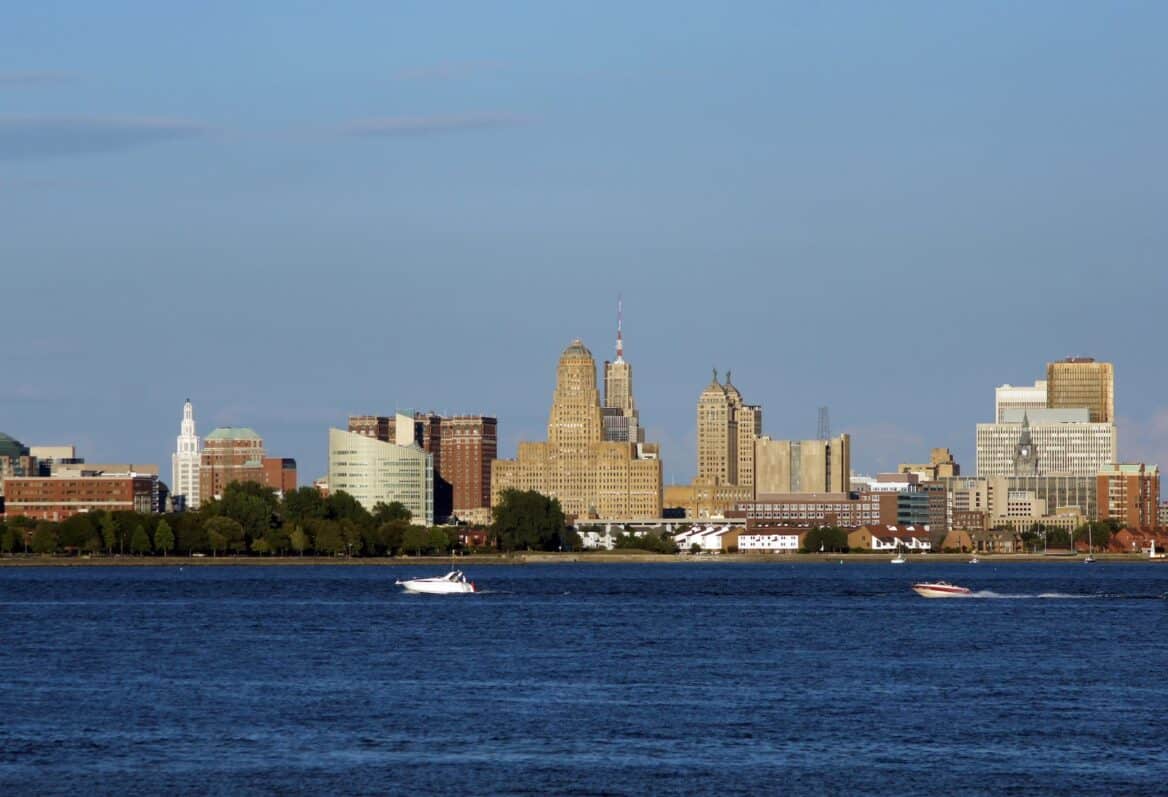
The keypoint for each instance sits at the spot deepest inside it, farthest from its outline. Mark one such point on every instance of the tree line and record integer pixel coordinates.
(251, 519)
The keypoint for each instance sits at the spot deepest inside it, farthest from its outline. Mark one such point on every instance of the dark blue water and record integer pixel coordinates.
(585, 679)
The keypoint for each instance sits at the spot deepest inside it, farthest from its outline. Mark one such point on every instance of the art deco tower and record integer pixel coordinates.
(590, 476)
(184, 463)
(717, 436)
(622, 423)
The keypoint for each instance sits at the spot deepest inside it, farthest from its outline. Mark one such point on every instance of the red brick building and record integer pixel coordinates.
(469, 444)
(847, 510)
(57, 498)
(1129, 494)
(236, 454)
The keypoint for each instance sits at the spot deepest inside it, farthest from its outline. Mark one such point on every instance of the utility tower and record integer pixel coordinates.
(824, 424)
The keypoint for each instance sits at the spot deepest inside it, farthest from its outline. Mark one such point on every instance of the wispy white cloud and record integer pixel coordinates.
(429, 125)
(31, 136)
(18, 79)
(449, 70)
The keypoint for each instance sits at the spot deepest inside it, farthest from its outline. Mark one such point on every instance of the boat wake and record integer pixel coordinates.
(987, 593)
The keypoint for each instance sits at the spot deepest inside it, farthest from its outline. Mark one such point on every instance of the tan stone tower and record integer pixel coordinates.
(717, 436)
(591, 477)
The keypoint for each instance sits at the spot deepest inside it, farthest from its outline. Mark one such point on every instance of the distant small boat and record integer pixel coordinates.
(1089, 560)
(940, 589)
(899, 559)
(974, 560)
(453, 583)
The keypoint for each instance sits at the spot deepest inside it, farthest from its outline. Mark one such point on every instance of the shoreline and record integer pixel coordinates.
(33, 560)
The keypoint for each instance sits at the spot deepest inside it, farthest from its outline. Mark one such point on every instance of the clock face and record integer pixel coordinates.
(1025, 451)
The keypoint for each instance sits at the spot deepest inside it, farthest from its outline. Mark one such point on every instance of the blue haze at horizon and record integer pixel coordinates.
(558, 679)
(885, 210)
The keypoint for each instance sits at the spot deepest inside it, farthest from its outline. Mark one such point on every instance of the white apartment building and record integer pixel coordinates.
(769, 542)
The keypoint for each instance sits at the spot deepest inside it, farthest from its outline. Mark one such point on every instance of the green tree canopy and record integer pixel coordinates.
(44, 539)
(140, 541)
(394, 510)
(75, 532)
(826, 538)
(438, 540)
(163, 537)
(298, 539)
(326, 536)
(342, 506)
(415, 539)
(224, 533)
(303, 504)
(527, 520)
(109, 531)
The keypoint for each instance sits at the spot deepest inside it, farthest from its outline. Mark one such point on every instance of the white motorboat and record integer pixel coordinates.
(453, 583)
(940, 589)
(899, 559)
(974, 560)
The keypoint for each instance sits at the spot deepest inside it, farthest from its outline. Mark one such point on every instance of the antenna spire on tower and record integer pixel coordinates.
(620, 343)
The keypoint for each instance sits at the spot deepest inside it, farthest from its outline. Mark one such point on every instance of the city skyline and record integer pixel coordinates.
(788, 193)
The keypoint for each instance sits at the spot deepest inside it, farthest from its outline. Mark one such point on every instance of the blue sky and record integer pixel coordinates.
(293, 211)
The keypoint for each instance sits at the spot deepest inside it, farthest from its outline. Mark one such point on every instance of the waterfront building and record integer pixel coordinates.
(374, 471)
(462, 447)
(1057, 441)
(236, 454)
(703, 500)
(891, 537)
(981, 501)
(186, 460)
(469, 444)
(1024, 398)
(1130, 493)
(1078, 382)
(823, 509)
(765, 537)
(802, 466)
(591, 477)
(57, 498)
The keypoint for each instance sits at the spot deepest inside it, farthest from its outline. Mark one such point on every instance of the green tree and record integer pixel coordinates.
(528, 520)
(109, 532)
(342, 506)
(44, 539)
(1097, 534)
(416, 539)
(73, 533)
(224, 533)
(7, 538)
(392, 534)
(140, 541)
(298, 539)
(163, 537)
(394, 510)
(261, 546)
(828, 539)
(301, 505)
(438, 540)
(326, 536)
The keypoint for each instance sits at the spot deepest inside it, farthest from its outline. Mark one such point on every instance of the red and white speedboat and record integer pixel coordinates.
(940, 589)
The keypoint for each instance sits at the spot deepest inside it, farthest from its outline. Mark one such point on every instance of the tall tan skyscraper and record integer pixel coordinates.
(589, 476)
(1081, 382)
(717, 436)
(803, 466)
(727, 429)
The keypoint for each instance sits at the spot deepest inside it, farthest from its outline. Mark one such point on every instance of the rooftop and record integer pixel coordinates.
(232, 433)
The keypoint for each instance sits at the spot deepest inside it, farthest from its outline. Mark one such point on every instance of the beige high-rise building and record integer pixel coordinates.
(748, 424)
(591, 477)
(717, 436)
(1081, 382)
(803, 466)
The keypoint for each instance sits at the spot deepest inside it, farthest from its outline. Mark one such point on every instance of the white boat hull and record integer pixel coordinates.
(940, 591)
(453, 583)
